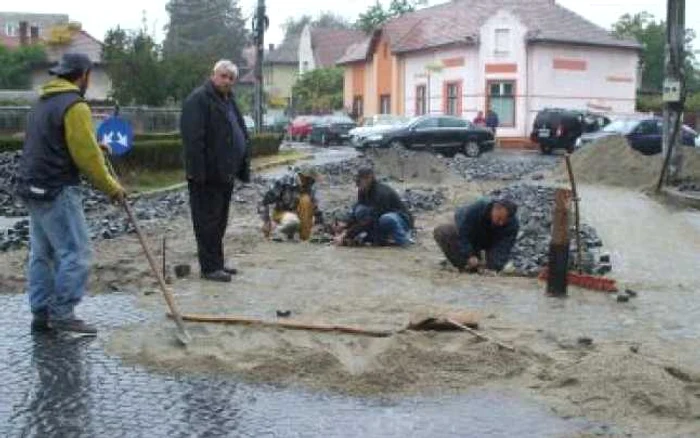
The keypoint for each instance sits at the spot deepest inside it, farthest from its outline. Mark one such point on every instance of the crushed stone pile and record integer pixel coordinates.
(530, 254)
(498, 168)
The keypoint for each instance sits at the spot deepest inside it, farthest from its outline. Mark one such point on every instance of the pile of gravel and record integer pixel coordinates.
(489, 167)
(535, 205)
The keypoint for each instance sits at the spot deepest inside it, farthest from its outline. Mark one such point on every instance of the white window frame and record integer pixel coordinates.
(502, 42)
(12, 29)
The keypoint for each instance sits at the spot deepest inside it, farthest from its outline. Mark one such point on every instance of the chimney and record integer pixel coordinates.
(271, 47)
(34, 35)
(23, 33)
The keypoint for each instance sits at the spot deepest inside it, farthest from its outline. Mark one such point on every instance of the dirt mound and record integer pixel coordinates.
(405, 165)
(623, 385)
(611, 161)
(409, 362)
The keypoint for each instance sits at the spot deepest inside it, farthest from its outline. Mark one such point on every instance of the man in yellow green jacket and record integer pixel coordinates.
(60, 145)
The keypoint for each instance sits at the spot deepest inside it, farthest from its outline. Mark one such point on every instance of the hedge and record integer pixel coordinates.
(163, 152)
(10, 143)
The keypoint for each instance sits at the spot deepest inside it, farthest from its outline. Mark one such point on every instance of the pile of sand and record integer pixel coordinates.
(611, 161)
(405, 165)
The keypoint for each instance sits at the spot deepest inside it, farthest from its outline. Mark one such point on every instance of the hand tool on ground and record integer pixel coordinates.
(289, 324)
(480, 335)
(182, 335)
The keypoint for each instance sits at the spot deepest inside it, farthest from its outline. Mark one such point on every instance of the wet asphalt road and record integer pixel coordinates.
(55, 387)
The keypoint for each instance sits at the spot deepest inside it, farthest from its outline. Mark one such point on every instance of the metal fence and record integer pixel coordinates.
(13, 119)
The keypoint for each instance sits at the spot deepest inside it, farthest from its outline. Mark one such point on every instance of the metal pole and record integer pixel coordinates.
(674, 86)
(259, 32)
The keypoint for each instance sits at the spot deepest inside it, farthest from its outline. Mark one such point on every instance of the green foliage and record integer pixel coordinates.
(376, 15)
(9, 143)
(320, 90)
(649, 103)
(266, 144)
(156, 136)
(133, 65)
(651, 34)
(294, 26)
(16, 64)
(152, 153)
(201, 32)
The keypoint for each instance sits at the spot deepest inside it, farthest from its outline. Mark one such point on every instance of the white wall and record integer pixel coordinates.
(100, 84)
(415, 74)
(306, 52)
(600, 86)
(515, 53)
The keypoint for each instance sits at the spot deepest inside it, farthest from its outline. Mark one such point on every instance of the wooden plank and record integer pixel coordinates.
(559, 246)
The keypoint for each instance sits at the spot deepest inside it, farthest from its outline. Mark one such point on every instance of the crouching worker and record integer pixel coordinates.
(380, 217)
(487, 225)
(295, 206)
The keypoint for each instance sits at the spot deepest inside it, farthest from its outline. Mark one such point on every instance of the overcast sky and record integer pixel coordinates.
(128, 13)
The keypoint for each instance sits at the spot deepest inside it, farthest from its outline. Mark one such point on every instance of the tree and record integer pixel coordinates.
(376, 15)
(133, 64)
(293, 26)
(16, 64)
(199, 33)
(651, 34)
(212, 29)
(319, 91)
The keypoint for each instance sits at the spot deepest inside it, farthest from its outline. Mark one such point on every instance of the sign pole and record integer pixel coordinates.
(260, 25)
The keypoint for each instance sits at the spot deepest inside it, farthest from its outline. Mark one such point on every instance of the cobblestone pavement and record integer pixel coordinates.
(55, 387)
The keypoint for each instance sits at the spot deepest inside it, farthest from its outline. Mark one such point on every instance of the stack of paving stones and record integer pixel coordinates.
(495, 168)
(688, 186)
(535, 204)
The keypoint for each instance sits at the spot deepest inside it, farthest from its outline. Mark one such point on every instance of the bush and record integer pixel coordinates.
(157, 136)
(10, 143)
(266, 144)
(167, 153)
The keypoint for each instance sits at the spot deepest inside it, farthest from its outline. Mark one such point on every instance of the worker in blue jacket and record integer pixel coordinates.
(487, 225)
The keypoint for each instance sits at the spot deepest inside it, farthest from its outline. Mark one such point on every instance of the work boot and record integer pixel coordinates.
(218, 276)
(40, 322)
(230, 270)
(73, 326)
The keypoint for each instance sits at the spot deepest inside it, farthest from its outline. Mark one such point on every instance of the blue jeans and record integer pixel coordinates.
(59, 254)
(392, 225)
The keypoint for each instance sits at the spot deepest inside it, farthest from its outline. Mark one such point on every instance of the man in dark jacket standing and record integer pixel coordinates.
(379, 212)
(487, 225)
(216, 152)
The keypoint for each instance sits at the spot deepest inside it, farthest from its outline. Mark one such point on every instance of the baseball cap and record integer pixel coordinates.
(71, 63)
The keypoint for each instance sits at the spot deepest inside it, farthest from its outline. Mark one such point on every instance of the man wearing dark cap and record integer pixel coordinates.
(487, 225)
(60, 145)
(379, 212)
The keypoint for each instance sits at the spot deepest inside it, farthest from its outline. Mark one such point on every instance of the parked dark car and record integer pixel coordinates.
(444, 134)
(331, 130)
(643, 134)
(275, 123)
(556, 128)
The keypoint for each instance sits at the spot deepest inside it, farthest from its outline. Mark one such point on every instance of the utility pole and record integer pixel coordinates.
(674, 88)
(260, 23)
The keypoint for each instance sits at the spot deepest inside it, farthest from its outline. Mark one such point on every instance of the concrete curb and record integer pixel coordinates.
(255, 169)
(684, 199)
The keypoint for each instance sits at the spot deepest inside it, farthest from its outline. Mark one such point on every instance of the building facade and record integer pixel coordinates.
(513, 56)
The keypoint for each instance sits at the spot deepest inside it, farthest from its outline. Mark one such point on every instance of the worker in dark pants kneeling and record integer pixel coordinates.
(489, 226)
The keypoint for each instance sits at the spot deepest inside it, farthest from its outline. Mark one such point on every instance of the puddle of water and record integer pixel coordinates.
(57, 387)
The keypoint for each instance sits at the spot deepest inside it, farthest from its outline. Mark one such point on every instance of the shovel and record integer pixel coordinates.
(181, 333)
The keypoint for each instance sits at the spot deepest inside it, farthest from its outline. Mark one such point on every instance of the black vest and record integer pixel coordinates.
(46, 163)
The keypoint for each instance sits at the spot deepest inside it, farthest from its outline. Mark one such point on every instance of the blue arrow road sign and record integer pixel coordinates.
(117, 134)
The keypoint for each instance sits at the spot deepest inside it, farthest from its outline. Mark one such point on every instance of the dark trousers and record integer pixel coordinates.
(447, 238)
(209, 204)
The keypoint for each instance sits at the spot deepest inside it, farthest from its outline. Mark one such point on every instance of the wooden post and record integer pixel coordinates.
(559, 246)
(577, 215)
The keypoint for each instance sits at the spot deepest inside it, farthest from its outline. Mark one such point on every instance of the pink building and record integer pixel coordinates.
(515, 56)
